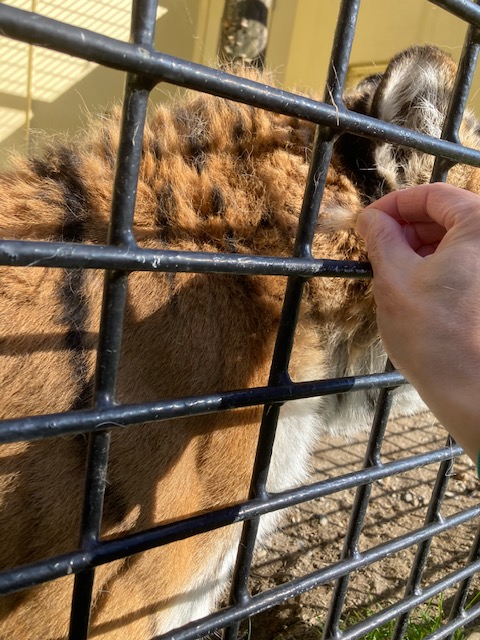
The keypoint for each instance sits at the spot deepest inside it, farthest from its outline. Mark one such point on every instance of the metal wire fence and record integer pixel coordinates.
(145, 67)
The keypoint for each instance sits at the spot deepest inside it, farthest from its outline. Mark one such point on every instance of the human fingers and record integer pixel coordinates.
(438, 203)
(423, 236)
(388, 248)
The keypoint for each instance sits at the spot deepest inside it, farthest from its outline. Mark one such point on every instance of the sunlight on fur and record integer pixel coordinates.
(215, 176)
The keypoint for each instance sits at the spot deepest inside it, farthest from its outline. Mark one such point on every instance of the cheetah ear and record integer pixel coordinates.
(414, 92)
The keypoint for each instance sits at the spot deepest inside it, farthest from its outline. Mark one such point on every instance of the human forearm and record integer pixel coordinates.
(423, 244)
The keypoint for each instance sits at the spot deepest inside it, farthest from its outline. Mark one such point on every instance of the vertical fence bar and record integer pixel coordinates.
(113, 307)
(441, 167)
(459, 602)
(115, 288)
(316, 181)
(458, 101)
(358, 512)
(423, 549)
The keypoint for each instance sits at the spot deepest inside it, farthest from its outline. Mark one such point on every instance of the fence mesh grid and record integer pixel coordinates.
(145, 67)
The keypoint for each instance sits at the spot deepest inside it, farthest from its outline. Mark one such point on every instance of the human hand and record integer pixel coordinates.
(424, 246)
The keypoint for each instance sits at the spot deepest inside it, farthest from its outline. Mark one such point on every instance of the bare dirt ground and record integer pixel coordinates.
(313, 533)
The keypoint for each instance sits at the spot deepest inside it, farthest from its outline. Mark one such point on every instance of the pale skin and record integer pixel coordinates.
(424, 246)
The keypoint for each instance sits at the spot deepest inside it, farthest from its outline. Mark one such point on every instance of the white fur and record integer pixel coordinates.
(418, 85)
(197, 602)
(299, 426)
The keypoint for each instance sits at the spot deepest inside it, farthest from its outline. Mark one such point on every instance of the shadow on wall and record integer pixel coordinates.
(102, 87)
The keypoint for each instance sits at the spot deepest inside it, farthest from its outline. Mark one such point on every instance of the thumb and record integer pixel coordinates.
(386, 244)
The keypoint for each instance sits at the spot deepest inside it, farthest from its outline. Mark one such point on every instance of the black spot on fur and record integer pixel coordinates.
(75, 309)
(239, 130)
(253, 121)
(41, 167)
(217, 202)
(239, 126)
(192, 125)
(231, 241)
(198, 152)
(199, 140)
(75, 315)
(75, 303)
(156, 149)
(63, 166)
(181, 116)
(76, 197)
(267, 216)
(166, 208)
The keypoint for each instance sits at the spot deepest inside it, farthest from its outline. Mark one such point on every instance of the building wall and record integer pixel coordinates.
(302, 36)
(301, 33)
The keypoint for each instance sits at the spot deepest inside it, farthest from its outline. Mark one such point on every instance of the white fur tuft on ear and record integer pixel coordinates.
(414, 92)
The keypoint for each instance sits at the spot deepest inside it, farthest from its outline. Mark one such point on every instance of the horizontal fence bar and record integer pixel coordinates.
(457, 623)
(75, 422)
(407, 604)
(463, 9)
(39, 30)
(277, 595)
(152, 65)
(59, 566)
(70, 255)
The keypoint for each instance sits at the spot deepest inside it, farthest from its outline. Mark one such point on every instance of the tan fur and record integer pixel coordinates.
(215, 176)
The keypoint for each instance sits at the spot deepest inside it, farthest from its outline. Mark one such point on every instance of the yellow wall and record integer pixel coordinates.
(301, 33)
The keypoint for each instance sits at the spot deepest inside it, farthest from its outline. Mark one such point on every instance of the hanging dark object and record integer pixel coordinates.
(244, 32)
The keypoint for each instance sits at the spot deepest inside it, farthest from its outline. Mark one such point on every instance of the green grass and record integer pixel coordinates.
(421, 623)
